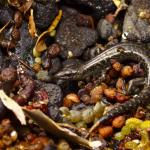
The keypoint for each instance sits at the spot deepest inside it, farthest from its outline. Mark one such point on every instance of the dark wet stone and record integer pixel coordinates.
(135, 28)
(54, 93)
(55, 98)
(105, 29)
(68, 11)
(74, 39)
(96, 8)
(6, 14)
(55, 65)
(25, 45)
(45, 12)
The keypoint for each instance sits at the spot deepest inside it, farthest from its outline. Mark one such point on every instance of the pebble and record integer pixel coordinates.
(105, 29)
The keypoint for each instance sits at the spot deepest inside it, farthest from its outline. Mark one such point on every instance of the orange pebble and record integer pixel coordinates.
(117, 66)
(118, 122)
(110, 93)
(127, 71)
(70, 99)
(96, 93)
(105, 131)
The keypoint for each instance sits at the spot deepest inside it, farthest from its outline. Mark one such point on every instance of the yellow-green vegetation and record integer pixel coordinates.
(133, 124)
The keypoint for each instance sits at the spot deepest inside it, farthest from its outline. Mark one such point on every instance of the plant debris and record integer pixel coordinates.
(13, 106)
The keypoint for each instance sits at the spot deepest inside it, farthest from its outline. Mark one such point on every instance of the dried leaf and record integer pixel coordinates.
(24, 7)
(31, 25)
(13, 106)
(121, 5)
(50, 126)
(55, 22)
(5, 26)
(117, 3)
(40, 45)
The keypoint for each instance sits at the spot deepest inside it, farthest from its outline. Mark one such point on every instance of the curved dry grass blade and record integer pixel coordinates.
(31, 25)
(13, 106)
(50, 126)
(5, 26)
(40, 45)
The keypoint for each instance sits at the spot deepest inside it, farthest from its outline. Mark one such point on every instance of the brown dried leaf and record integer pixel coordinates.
(50, 126)
(31, 25)
(24, 7)
(13, 106)
(40, 43)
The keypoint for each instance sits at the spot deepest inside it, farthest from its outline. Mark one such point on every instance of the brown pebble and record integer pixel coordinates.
(70, 99)
(96, 94)
(118, 122)
(73, 97)
(110, 93)
(105, 131)
(126, 71)
(53, 50)
(117, 66)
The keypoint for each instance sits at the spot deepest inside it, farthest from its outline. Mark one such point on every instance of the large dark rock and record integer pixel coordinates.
(96, 8)
(25, 46)
(45, 12)
(73, 38)
(136, 28)
(6, 14)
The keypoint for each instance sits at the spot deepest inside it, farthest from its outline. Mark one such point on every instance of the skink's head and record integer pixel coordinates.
(66, 74)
